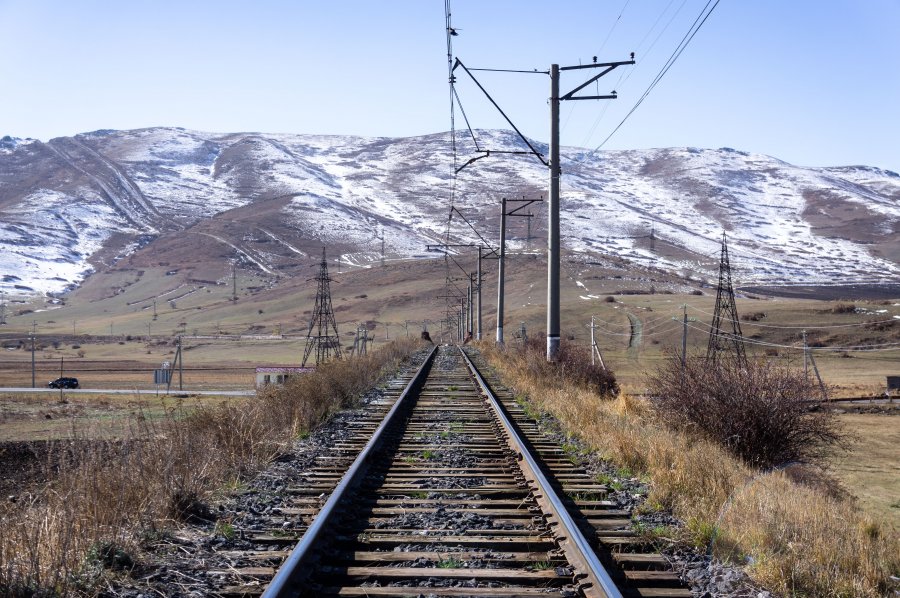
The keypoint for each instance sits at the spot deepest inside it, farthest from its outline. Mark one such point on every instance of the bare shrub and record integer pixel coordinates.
(760, 411)
(844, 308)
(573, 365)
(784, 530)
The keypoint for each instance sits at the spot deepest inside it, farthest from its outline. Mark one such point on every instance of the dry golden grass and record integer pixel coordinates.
(105, 494)
(799, 542)
(871, 468)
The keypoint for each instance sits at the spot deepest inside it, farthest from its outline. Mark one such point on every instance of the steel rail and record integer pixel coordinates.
(286, 581)
(575, 545)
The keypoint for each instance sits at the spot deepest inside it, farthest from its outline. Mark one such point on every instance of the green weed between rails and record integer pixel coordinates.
(583, 496)
(108, 492)
(450, 563)
(225, 529)
(654, 532)
(428, 454)
(541, 565)
(572, 453)
(609, 481)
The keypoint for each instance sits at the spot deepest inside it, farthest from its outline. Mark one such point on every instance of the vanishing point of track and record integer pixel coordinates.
(448, 488)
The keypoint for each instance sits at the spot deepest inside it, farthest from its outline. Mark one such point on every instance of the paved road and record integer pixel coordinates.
(131, 391)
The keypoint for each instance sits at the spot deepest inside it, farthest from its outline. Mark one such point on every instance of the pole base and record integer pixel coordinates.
(552, 348)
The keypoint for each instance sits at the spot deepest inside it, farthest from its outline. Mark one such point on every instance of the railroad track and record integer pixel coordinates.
(449, 489)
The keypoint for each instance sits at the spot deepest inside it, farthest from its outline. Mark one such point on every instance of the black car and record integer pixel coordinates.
(64, 383)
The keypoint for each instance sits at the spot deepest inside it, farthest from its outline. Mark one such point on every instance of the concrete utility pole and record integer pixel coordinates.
(33, 334)
(469, 305)
(553, 255)
(478, 287)
(501, 271)
(553, 222)
(501, 283)
(684, 332)
(233, 282)
(473, 317)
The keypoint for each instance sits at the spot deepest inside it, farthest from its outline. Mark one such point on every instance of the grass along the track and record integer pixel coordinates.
(110, 493)
(793, 539)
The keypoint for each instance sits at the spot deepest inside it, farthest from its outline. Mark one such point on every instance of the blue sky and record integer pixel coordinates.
(811, 82)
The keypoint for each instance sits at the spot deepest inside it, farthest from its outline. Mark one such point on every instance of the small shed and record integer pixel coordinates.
(277, 374)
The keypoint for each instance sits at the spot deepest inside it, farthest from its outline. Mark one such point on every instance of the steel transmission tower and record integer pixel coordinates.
(725, 315)
(323, 332)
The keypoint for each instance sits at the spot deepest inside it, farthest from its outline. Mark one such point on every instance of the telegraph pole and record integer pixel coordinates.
(684, 332)
(233, 282)
(595, 350)
(553, 256)
(805, 357)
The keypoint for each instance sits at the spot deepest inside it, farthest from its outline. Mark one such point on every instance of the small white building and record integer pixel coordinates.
(277, 374)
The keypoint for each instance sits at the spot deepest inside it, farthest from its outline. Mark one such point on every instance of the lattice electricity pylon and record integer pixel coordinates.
(725, 312)
(322, 322)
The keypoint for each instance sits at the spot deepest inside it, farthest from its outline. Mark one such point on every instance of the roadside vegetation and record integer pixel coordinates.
(734, 453)
(105, 498)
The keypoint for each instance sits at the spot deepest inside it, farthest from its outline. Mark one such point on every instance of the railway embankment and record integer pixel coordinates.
(786, 527)
(106, 500)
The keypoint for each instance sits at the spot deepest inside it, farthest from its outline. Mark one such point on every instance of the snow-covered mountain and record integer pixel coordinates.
(78, 205)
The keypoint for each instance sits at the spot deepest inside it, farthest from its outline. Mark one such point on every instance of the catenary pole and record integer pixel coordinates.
(501, 271)
(33, 335)
(478, 289)
(553, 222)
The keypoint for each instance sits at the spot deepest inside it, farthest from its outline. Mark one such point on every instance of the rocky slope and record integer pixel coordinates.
(74, 206)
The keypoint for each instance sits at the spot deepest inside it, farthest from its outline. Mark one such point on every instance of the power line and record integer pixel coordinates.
(692, 31)
(613, 27)
(809, 327)
(836, 349)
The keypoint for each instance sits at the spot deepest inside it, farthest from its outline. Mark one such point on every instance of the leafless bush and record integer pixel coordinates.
(573, 364)
(760, 411)
(844, 308)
